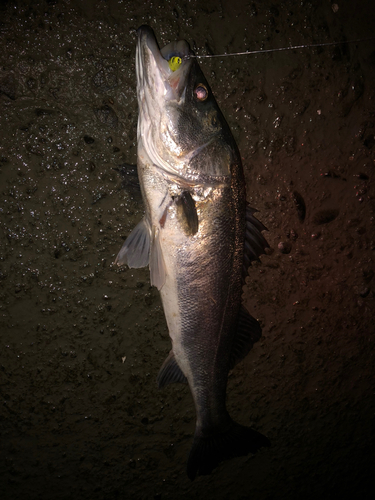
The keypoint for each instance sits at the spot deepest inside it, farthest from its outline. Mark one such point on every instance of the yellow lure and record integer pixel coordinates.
(175, 62)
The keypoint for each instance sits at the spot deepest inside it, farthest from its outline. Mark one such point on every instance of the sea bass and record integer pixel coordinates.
(198, 238)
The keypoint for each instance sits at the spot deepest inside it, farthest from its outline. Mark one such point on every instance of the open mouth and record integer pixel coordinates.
(173, 61)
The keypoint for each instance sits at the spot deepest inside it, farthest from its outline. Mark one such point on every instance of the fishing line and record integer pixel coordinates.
(251, 52)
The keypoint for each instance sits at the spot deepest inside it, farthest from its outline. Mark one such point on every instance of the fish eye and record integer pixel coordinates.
(201, 92)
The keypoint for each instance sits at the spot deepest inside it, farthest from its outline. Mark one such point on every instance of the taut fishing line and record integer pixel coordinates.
(250, 52)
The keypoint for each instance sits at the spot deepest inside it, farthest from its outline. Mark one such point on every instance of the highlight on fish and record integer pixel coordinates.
(198, 236)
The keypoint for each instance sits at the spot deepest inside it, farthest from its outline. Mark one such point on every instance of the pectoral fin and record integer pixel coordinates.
(135, 251)
(187, 213)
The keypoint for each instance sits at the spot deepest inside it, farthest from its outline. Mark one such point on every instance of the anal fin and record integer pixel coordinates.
(170, 372)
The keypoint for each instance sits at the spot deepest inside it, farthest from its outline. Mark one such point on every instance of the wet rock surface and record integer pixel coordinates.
(82, 340)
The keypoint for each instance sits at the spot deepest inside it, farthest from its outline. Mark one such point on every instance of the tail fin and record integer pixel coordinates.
(208, 451)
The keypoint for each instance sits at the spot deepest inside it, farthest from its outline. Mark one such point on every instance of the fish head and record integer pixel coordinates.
(180, 125)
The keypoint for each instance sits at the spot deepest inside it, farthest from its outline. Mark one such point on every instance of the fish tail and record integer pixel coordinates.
(208, 451)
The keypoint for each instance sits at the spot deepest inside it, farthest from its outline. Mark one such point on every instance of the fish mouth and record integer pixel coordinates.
(154, 69)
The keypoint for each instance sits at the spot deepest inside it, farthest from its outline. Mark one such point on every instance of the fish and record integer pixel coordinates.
(198, 236)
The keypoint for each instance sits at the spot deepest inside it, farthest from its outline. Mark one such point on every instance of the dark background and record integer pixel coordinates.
(82, 341)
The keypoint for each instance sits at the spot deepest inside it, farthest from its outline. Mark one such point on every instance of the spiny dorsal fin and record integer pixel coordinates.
(255, 243)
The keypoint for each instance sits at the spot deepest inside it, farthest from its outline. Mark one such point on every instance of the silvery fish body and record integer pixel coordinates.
(198, 238)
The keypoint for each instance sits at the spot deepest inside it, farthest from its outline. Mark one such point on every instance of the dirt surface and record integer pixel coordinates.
(82, 340)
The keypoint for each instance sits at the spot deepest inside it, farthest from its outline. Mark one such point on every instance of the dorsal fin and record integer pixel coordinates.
(255, 243)
(248, 332)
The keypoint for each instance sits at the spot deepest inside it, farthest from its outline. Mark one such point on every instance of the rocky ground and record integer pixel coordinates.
(82, 340)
